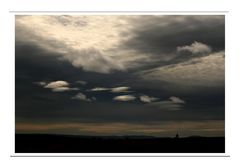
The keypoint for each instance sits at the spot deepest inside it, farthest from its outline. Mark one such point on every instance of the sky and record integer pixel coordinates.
(120, 74)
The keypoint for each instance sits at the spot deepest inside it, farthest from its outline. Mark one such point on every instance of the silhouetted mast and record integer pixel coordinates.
(177, 135)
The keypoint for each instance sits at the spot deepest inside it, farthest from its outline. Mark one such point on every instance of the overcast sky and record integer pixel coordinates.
(120, 75)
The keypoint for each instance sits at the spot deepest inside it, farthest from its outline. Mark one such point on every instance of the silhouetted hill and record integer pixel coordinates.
(44, 143)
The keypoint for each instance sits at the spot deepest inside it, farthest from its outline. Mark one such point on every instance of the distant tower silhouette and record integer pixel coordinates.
(177, 135)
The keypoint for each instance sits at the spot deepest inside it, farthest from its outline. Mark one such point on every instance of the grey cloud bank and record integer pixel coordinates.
(134, 70)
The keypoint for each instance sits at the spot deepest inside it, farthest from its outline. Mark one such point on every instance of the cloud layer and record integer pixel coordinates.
(148, 99)
(133, 70)
(85, 45)
(172, 104)
(83, 97)
(176, 100)
(121, 89)
(195, 48)
(203, 71)
(124, 98)
(105, 44)
(57, 86)
(167, 128)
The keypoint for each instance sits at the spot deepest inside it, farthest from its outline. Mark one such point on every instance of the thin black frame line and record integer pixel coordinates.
(12, 11)
(120, 156)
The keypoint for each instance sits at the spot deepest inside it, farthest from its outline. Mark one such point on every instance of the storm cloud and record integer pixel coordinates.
(75, 74)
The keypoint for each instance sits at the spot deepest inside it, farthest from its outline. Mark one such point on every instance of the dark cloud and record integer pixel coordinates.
(149, 101)
(36, 103)
(160, 36)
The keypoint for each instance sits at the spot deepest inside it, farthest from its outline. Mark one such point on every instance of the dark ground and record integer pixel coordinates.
(43, 143)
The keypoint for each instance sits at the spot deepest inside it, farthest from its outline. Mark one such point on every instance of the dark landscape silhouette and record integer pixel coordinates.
(50, 143)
